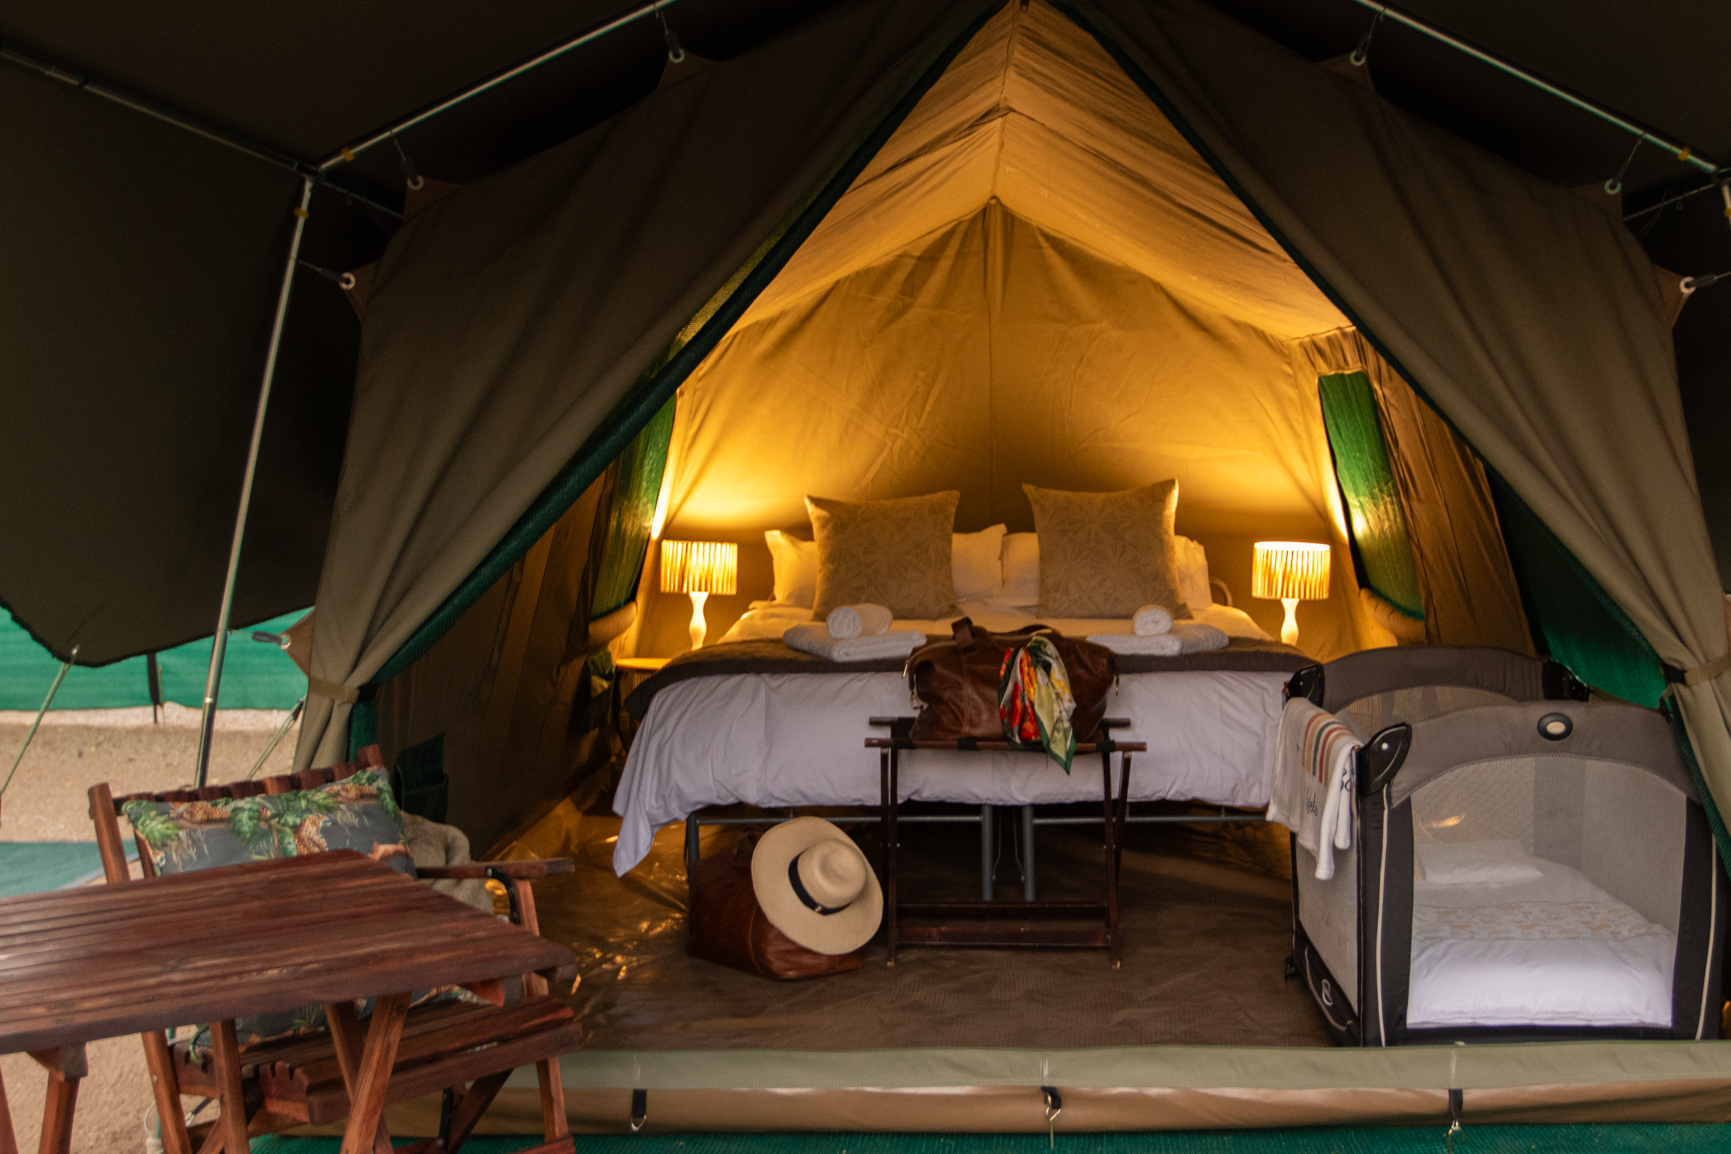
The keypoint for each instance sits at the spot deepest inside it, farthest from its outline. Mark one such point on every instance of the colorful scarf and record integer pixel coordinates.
(1034, 701)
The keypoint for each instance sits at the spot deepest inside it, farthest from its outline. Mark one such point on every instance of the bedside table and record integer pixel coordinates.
(629, 673)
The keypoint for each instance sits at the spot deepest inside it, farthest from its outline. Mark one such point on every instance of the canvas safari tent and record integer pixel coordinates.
(907, 247)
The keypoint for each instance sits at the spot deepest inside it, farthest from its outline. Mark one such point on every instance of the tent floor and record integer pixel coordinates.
(1206, 929)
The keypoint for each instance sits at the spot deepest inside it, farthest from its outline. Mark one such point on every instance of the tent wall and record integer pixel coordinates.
(510, 686)
(469, 403)
(994, 353)
(1529, 317)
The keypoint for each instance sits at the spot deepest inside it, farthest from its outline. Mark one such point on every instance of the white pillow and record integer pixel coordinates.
(1193, 574)
(1473, 863)
(1021, 569)
(976, 559)
(795, 564)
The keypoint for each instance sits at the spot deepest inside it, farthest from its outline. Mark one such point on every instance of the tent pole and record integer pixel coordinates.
(1683, 153)
(219, 642)
(65, 668)
(348, 154)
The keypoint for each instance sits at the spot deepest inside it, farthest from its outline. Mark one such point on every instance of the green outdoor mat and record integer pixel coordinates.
(32, 867)
(1681, 1139)
(255, 675)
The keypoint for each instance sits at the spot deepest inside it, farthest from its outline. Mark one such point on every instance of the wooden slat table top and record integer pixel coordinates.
(267, 936)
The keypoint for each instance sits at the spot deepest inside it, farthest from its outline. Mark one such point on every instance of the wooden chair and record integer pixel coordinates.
(466, 1051)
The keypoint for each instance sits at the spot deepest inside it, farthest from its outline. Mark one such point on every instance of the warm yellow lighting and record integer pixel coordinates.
(699, 568)
(1290, 571)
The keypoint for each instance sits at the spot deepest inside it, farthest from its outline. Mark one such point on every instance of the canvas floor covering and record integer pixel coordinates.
(1682, 1139)
(1206, 929)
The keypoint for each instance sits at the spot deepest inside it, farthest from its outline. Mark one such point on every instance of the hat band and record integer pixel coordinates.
(805, 898)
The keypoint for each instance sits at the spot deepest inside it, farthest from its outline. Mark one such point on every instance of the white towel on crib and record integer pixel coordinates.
(866, 620)
(815, 639)
(1311, 793)
(1151, 620)
(1184, 637)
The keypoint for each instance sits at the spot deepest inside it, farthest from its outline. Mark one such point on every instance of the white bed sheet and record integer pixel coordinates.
(798, 739)
(1553, 951)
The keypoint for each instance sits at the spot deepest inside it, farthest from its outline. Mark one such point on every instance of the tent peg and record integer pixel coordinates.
(411, 175)
(675, 53)
(1361, 55)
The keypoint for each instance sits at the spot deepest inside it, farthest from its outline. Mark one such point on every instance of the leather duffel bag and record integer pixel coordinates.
(956, 682)
(728, 926)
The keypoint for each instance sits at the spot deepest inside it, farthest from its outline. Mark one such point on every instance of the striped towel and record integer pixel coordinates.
(1311, 793)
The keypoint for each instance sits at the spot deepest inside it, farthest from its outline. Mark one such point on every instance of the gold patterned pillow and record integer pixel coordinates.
(891, 553)
(1107, 554)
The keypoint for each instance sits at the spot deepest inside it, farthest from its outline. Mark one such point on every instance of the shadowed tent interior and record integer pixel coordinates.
(971, 246)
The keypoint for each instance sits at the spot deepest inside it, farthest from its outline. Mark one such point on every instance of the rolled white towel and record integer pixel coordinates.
(866, 620)
(1160, 645)
(1195, 637)
(815, 639)
(1151, 620)
(1184, 637)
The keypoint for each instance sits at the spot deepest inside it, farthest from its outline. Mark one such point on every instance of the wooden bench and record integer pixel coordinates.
(466, 1051)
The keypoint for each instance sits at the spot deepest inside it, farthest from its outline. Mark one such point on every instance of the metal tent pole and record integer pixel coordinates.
(1682, 152)
(348, 154)
(219, 643)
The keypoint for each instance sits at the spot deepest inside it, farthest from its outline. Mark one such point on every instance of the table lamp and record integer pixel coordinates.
(699, 568)
(1290, 571)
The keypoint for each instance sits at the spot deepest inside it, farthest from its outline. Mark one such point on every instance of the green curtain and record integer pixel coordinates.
(1574, 621)
(641, 467)
(255, 675)
(1379, 528)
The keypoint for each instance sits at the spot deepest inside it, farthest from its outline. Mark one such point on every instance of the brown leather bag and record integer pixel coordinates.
(956, 682)
(728, 926)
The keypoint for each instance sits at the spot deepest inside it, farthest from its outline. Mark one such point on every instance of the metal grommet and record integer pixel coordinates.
(1556, 726)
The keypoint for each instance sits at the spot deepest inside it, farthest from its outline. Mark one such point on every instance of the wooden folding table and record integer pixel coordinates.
(218, 944)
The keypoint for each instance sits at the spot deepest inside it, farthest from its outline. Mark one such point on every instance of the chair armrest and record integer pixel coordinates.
(516, 870)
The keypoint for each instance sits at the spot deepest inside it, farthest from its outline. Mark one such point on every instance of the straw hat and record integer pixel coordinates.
(816, 886)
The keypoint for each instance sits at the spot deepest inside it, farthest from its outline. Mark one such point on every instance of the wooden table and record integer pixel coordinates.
(992, 923)
(219, 944)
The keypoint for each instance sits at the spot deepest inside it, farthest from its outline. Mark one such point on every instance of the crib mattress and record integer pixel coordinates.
(1552, 951)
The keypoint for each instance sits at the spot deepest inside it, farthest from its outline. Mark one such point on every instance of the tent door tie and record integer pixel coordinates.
(1699, 675)
(1054, 1107)
(338, 693)
(639, 1109)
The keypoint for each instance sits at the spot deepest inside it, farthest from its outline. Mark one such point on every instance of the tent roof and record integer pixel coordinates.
(144, 262)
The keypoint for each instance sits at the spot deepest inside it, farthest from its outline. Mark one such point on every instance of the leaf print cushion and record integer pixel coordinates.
(357, 812)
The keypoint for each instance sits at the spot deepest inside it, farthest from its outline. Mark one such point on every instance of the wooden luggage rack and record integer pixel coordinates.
(993, 923)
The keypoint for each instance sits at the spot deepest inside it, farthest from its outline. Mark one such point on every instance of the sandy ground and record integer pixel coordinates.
(46, 802)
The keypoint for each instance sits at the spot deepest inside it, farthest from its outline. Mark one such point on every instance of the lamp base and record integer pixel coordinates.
(699, 626)
(1288, 631)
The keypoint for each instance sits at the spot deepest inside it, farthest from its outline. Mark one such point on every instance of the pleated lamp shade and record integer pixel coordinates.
(1290, 569)
(699, 567)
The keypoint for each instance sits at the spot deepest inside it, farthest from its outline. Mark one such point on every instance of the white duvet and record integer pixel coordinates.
(1549, 951)
(775, 740)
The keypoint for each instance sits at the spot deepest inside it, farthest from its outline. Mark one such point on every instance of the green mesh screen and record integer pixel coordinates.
(255, 674)
(641, 466)
(1574, 621)
(1379, 528)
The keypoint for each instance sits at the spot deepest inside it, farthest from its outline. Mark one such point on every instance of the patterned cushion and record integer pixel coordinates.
(891, 553)
(1107, 554)
(356, 812)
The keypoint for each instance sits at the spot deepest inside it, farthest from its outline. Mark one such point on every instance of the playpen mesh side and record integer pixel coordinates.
(1378, 711)
(1328, 911)
(1618, 825)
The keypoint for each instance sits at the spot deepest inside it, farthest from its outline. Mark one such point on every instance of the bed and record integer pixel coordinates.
(756, 735)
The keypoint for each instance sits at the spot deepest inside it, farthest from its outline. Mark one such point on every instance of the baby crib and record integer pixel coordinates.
(1526, 863)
